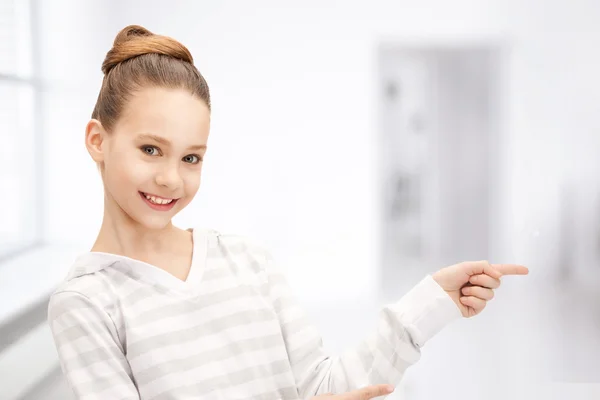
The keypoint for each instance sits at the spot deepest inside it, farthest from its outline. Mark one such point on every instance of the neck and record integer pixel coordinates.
(120, 234)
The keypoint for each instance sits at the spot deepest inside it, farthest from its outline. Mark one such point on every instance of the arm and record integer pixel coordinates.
(404, 327)
(89, 350)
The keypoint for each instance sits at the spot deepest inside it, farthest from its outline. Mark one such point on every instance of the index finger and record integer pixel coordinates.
(511, 269)
(368, 392)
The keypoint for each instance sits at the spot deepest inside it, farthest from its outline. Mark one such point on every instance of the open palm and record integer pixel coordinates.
(366, 393)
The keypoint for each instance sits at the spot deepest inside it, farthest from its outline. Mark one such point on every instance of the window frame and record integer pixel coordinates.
(34, 82)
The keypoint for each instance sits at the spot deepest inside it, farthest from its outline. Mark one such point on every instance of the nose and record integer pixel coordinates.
(169, 177)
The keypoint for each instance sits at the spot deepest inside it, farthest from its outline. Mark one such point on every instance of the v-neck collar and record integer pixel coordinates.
(94, 261)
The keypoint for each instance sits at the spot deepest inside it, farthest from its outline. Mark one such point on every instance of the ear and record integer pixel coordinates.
(95, 136)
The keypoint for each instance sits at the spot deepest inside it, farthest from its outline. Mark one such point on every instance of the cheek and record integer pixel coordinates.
(192, 181)
(124, 171)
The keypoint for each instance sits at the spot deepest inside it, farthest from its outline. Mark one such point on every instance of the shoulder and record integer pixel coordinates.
(238, 244)
(88, 285)
(89, 294)
(241, 253)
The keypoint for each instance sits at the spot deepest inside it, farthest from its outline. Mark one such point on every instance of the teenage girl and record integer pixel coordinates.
(154, 311)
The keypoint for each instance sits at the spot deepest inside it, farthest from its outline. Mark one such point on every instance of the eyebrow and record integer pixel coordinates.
(166, 142)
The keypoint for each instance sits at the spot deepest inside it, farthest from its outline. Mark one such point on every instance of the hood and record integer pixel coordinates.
(91, 262)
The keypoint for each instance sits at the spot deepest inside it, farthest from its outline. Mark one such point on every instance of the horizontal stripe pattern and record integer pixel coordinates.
(235, 333)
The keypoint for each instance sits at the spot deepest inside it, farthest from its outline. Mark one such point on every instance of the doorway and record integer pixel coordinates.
(440, 156)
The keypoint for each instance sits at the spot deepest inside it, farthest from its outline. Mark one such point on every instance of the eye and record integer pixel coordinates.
(150, 150)
(192, 159)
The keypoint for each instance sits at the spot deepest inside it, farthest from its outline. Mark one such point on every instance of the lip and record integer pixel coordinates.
(158, 207)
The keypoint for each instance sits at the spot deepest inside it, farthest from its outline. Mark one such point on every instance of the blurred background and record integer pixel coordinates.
(368, 143)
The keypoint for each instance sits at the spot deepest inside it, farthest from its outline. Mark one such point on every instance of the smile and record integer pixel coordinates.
(157, 202)
(156, 199)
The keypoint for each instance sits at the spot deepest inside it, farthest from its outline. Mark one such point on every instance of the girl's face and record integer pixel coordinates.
(152, 160)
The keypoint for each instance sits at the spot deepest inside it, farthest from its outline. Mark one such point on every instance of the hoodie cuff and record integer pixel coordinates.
(425, 310)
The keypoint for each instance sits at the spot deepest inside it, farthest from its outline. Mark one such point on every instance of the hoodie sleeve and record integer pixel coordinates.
(89, 350)
(382, 358)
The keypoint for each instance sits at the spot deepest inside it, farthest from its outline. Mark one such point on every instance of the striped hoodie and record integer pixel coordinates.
(125, 329)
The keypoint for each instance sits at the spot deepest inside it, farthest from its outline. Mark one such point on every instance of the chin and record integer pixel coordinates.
(152, 220)
(155, 224)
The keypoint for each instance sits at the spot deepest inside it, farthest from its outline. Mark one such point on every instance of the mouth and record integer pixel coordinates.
(158, 203)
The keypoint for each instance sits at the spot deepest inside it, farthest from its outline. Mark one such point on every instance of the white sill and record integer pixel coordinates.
(32, 276)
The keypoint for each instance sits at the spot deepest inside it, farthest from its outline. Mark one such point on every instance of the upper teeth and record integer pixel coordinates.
(158, 200)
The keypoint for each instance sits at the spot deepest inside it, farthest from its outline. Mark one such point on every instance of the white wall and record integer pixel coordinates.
(291, 157)
(74, 39)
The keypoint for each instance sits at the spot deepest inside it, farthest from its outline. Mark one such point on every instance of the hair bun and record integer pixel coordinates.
(135, 40)
(131, 32)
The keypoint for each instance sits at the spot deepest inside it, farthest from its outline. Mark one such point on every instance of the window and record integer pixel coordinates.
(20, 217)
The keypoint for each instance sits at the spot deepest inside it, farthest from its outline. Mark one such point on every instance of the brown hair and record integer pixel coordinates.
(140, 59)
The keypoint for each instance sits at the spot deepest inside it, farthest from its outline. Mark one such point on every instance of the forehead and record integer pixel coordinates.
(171, 113)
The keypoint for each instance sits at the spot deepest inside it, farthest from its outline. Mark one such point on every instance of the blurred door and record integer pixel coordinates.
(439, 114)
